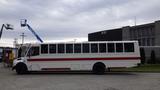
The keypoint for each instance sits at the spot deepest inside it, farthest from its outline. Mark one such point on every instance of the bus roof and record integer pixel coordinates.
(80, 42)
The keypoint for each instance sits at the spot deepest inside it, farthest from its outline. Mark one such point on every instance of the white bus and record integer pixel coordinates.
(94, 56)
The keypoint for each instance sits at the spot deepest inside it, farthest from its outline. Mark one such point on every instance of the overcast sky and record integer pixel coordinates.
(73, 19)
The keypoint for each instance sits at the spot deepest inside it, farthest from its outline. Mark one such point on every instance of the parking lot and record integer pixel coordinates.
(9, 80)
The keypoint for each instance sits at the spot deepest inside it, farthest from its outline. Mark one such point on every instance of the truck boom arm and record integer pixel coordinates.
(6, 26)
(24, 23)
(35, 34)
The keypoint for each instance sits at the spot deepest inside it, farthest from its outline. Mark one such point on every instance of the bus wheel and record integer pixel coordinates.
(99, 68)
(21, 68)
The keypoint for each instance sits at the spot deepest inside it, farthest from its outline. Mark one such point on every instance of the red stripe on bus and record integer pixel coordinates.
(84, 59)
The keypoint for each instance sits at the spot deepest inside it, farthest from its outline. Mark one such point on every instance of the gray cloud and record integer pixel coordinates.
(58, 19)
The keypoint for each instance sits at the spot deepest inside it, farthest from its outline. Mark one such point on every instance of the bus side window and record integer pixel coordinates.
(69, 48)
(77, 48)
(34, 51)
(94, 48)
(85, 47)
(52, 48)
(111, 47)
(44, 48)
(102, 47)
(129, 47)
(60, 48)
(119, 47)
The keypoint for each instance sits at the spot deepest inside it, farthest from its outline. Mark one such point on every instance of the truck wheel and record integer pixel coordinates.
(99, 68)
(21, 68)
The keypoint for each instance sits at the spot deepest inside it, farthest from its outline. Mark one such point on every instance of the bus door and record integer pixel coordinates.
(33, 51)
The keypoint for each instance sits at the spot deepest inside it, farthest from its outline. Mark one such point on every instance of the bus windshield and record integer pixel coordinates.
(22, 51)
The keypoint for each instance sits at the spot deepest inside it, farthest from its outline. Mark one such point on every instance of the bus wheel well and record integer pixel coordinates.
(21, 68)
(99, 68)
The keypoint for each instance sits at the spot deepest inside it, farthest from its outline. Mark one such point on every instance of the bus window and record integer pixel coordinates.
(129, 47)
(85, 47)
(60, 48)
(94, 48)
(52, 48)
(69, 48)
(119, 47)
(111, 47)
(34, 51)
(44, 48)
(77, 48)
(102, 47)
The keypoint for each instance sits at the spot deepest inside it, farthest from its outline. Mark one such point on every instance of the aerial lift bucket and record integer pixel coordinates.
(23, 22)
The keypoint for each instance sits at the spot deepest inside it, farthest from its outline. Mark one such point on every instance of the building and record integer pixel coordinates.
(107, 35)
(148, 36)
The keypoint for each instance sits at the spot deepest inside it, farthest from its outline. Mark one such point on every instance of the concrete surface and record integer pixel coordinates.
(9, 80)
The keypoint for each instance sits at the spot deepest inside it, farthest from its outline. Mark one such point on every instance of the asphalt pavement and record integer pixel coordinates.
(9, 80)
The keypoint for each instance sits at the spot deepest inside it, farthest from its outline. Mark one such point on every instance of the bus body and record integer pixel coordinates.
(95, 56)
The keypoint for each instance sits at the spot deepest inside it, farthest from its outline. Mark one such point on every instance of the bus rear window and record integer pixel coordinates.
(129, 47)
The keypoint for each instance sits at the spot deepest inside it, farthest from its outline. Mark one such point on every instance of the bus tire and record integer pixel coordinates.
(21, 68)
(99, 68)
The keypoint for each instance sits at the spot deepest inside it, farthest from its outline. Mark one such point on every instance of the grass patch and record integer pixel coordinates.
(141, 68)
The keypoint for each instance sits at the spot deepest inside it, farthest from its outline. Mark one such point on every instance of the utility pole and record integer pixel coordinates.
(23, 35)
(135, 20)
(15, 42)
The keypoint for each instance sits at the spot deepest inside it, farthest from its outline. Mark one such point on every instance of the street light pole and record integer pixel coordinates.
(23, 35)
